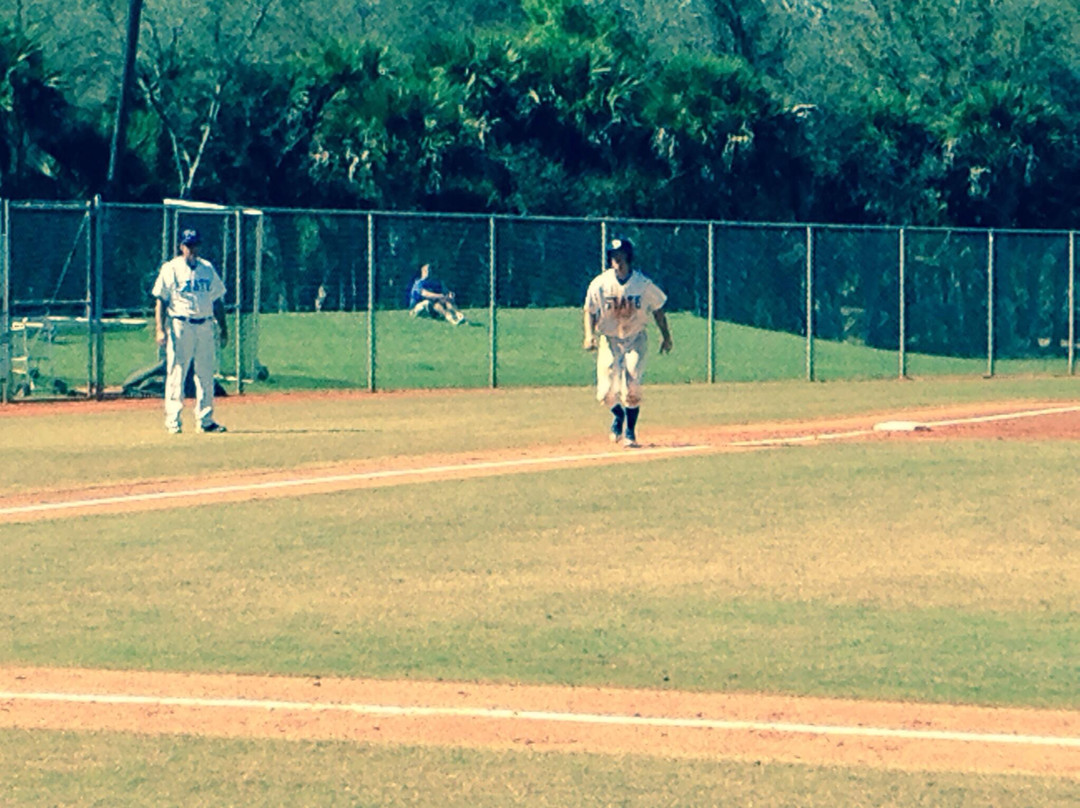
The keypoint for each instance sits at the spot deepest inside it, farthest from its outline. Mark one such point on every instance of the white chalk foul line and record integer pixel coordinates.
(540, 715)
(980, 419)
(344, 478)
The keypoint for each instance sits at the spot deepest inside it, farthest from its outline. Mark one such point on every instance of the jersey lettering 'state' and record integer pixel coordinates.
(623, 309)
(189, 290)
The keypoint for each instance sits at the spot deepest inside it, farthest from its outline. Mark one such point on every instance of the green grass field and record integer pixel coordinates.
(932, 572)
(78, 769)
(534, 347)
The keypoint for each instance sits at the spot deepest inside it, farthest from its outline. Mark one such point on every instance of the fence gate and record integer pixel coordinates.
(46, 323)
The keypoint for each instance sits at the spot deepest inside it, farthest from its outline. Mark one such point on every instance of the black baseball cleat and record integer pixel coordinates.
(213, 426)
(631, 441)
(615, 431)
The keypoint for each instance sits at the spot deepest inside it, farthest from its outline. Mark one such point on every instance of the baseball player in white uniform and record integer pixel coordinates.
(617, 309)
(188, 296)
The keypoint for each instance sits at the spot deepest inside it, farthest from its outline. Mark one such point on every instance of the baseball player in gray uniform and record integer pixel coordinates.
(188, 296)
(617, 309)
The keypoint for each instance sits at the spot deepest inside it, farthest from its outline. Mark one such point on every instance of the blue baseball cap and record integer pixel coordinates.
(190, 238)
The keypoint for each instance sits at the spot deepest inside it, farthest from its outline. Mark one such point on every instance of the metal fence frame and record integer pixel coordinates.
(97, 281)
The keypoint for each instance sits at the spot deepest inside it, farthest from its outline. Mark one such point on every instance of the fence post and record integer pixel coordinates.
(371, 302)
(256, 296)
(903, 305)
(990, 304)
(5, 307)
(238, 262)
(493, 330)
(809, 303)
(1072, 302)
(94, 308)
(168, 226)
(711, 308)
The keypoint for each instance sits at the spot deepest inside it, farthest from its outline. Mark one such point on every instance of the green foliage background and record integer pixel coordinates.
(873, 111)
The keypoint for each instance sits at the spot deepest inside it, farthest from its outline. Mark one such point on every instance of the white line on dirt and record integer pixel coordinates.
(1004, 416)
(539, 715)
(45, 507)
(981, 419)
(857, 433)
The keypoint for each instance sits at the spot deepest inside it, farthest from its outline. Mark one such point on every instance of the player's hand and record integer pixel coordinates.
(159, 337)
(665, 345)
(590, 343)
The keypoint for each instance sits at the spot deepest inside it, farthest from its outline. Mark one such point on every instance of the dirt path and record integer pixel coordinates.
(576, 719)
(662, 723)
(1026, 420)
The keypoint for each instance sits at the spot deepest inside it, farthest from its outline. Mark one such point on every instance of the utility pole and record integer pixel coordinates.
(126, 78)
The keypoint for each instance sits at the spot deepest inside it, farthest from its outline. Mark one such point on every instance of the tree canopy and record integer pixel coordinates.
(869, 111)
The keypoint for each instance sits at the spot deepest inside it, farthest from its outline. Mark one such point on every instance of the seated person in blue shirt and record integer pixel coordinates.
(428, 296)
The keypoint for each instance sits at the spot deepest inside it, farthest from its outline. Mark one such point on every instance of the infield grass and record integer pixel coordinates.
(50, 768)
(930, 572)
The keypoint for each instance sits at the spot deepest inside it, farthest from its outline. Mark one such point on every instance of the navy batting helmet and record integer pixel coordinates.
(623, 245)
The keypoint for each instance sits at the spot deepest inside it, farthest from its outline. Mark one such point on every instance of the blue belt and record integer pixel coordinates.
(192, 320)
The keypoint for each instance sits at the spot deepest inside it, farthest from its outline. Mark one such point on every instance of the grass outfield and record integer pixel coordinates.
(535, 347)
(894, 570)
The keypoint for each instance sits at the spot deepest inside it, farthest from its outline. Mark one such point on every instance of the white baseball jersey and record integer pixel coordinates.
(623, 309)
(189, 291)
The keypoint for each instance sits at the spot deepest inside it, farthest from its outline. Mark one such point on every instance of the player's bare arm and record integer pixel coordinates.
(665, 331)
(589, 324)
(159, 321)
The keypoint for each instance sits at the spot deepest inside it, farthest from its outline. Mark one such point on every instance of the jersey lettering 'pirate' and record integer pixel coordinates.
(618, 306)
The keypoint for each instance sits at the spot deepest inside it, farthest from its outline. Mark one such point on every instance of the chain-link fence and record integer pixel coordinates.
(320, 299)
